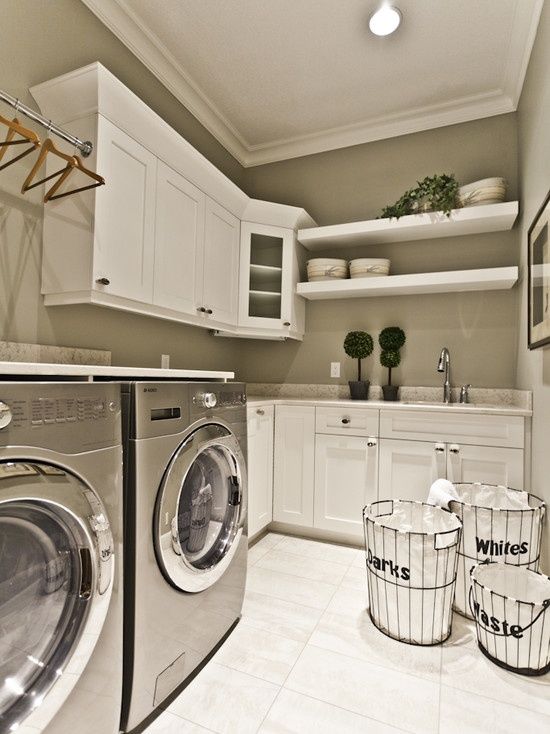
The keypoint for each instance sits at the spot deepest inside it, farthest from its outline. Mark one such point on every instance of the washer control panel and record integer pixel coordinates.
(47, 411)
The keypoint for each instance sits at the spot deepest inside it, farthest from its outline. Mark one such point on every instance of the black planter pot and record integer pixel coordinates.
(390, 392)
(359, 389)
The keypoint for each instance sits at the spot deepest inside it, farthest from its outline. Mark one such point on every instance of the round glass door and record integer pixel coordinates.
(49, 571)
(200, 508)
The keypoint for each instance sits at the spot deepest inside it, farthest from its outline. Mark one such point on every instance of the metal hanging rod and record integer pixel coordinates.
(84, 146)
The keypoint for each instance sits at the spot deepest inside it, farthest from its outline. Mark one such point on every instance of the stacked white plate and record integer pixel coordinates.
(485, 191)
(368, 267)
(326, 268)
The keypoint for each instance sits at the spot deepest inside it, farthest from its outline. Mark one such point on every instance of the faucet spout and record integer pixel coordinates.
(444, 366)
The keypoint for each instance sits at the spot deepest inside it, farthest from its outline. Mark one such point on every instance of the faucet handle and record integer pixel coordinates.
(464, 393)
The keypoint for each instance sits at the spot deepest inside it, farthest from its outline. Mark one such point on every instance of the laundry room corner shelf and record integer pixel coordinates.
(457, 281)
(466, 221)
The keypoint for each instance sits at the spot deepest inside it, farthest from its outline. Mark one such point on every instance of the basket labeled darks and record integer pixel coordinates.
(412, 553)
(511, 608)
(500, 524)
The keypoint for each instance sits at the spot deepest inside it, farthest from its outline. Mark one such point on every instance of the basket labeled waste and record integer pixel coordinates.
(499, 524)
(411, 554)
(511, 608)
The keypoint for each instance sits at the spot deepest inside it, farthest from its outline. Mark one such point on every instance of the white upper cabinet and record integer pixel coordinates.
(220, 273)
(180, 213)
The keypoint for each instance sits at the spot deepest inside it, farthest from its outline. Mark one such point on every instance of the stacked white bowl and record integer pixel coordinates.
(369, 267)
(326, 268)
(485, 191)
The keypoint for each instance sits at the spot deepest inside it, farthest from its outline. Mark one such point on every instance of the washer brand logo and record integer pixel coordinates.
(496, 625)
(500, 547)
(150, 389)
(382, 564)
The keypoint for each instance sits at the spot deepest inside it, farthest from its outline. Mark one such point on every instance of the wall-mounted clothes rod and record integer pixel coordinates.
(84, 146)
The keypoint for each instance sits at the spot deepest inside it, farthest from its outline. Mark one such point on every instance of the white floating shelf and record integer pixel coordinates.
(456, 281)
(470, 220)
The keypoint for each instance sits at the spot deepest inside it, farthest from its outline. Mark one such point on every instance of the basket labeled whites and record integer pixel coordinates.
(412, 554)
(499, 524)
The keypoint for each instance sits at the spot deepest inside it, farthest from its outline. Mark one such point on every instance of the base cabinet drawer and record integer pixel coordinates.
(347, 421)
(452, 426)
(346, 479)
(294, 465)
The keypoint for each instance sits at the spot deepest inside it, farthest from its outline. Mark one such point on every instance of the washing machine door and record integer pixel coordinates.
(56, 567)
(200, 508)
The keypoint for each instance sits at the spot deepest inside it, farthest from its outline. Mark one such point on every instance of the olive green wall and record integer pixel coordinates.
(354, 183)
(42, 39)
(534, 157)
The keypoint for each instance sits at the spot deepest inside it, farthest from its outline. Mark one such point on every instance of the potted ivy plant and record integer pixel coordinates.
(432, 194)
(391, 339)
(358, 345)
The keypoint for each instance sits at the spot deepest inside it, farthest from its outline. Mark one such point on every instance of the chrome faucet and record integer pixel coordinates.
(444, 365)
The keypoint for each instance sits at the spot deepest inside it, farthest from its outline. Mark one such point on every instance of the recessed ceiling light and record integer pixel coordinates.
(386, 20)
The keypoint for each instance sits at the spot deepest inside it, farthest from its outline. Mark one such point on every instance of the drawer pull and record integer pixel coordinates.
(345, 421)
(260, 411)
(103, 281)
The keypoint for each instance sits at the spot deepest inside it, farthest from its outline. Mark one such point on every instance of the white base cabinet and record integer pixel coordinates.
(489, 464)
(260, 468)
(294, 465)
(346, 479)
(408, 468)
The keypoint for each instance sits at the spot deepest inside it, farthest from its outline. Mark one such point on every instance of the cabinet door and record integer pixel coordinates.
(179, 242)
(221, 264)
(260, 468)
(485, 464)
(294, 465)
(408, 468)
(125, 216)
(346, 479)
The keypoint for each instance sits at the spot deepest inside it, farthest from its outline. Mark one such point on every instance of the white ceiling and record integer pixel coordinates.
(276, 79)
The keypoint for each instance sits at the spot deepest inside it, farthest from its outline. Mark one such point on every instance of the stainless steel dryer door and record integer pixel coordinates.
(200, 508)
(56, 565)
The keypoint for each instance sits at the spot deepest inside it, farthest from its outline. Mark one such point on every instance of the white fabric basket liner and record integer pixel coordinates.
(500, 524)
(411, 554)
(511, 608)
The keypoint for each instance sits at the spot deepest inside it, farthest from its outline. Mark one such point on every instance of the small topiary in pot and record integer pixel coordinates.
(391, 340)
(358, 345)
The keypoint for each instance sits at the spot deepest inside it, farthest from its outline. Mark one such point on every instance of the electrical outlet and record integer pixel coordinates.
(165, 361)
(335, 369)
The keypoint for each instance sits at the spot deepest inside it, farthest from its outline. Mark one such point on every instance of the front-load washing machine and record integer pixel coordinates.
(186, 544)
(60, 558)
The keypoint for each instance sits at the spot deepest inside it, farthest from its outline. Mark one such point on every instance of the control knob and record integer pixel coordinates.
(5, 415)
(209, 400)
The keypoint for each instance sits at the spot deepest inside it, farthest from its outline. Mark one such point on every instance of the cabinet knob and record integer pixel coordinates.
(454, 449)
(345, 421)
(201, 309)
(103, 281)
(286, 323)
(439, 448)
(209, 311)
(371, 442)
(260, 411)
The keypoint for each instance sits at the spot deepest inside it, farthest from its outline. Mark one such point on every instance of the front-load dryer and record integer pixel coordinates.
(186, 545)
(60, 558)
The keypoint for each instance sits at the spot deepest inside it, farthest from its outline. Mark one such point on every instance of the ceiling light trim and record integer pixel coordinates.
(121, 20)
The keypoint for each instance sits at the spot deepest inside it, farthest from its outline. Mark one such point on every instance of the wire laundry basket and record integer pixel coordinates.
(511, 608)
(499, 524)
(412, 554)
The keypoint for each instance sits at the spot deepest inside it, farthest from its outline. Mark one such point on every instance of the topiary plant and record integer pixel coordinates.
(358, 345)
(433, 193)
(391, 339)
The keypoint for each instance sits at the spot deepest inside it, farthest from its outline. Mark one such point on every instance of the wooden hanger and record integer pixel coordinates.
(27, 136)
(48, 147)
(79, 166)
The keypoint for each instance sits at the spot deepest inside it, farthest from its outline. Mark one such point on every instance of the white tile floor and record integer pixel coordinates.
(306, 659)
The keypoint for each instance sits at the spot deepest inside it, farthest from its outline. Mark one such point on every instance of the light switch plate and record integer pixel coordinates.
(335, 369)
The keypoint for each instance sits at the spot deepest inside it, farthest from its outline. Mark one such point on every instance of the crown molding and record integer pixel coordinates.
(122, 21)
